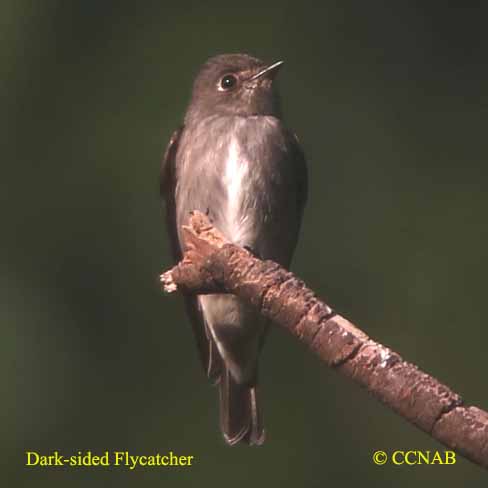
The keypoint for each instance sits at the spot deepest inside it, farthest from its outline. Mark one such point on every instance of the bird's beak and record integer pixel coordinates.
(268, 73)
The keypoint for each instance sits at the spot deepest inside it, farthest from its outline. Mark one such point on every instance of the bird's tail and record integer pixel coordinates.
(240, 417)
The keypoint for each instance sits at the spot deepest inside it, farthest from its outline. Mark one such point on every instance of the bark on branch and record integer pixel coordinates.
(212, 264)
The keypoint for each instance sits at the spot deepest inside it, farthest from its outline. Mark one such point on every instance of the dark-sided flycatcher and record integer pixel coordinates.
(234, 159)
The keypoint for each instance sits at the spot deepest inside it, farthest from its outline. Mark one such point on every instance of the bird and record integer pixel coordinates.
(234, 159)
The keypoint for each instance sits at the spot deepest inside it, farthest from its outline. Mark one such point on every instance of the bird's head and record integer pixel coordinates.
(235, 84)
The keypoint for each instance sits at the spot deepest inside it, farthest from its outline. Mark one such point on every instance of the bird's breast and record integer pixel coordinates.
(239, 208)
(231, 170)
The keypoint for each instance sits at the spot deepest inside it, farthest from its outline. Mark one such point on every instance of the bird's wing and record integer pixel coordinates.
(301, 171)
(206, 346)
(167, 181)
(300, 174)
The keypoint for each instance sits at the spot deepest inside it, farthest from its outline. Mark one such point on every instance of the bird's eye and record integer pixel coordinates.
(228, 82)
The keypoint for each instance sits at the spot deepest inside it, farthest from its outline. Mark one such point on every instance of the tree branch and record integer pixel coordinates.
(212, 264)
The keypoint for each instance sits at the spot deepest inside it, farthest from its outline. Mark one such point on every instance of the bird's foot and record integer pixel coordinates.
(252, 251)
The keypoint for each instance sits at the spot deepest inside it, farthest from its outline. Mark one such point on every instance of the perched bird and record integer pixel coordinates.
(234, 159)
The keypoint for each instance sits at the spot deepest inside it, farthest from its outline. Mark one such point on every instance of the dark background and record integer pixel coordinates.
(390, 102)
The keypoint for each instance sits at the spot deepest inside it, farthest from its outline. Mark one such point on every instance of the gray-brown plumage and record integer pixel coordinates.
(234, 159)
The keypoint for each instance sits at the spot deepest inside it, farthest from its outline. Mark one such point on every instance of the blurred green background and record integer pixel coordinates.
(390, 102)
